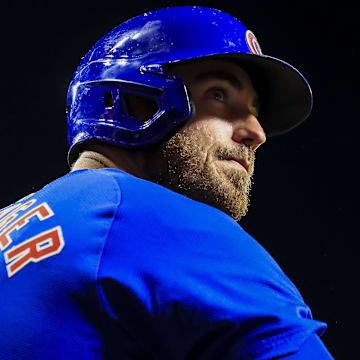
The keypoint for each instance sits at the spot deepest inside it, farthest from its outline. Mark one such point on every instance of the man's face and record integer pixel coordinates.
(212, 158)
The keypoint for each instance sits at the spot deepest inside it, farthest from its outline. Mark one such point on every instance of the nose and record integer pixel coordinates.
(248, 131)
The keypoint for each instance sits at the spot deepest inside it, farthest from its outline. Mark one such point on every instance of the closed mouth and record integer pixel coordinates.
(244, 163)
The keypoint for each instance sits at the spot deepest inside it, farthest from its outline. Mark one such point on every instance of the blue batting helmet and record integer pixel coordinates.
(130, 59)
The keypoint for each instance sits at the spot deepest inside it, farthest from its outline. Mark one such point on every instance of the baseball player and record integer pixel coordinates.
(137, 253)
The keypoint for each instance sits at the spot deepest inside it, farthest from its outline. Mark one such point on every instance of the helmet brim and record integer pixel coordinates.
(287, 96)
(284, 93)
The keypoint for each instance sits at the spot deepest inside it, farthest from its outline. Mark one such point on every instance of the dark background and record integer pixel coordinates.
(303, 200)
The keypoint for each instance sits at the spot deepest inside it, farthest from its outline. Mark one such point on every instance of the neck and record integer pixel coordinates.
(92, 160)
(142, 163)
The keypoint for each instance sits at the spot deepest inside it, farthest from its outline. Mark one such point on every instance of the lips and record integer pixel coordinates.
(243, 162)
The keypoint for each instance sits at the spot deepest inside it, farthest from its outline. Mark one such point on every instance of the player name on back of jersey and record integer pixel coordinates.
(39, 246)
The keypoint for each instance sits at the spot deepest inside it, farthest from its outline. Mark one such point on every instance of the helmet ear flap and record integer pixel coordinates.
(193, 109)
(192, 105)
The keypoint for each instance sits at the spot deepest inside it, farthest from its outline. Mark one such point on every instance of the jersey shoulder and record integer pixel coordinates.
(69, 216)
(180, 257)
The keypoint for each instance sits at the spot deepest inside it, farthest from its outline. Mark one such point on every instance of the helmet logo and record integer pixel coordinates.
(253, 43)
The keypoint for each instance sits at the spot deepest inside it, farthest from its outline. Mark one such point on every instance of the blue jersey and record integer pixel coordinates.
(100, 264)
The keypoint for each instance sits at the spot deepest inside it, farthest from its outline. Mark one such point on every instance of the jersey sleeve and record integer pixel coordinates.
(179, 279)
(312, 349)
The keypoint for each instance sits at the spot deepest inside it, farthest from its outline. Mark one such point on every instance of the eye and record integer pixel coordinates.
(218, 94)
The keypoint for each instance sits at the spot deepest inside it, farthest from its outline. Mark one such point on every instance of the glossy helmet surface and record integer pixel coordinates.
(130, 59)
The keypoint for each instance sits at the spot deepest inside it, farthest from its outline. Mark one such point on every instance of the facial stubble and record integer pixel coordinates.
(211, 180)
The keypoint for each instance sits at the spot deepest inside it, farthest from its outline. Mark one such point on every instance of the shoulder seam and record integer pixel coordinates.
(98, 287)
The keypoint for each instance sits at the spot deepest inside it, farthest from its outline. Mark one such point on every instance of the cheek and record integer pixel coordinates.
(211, 130)
(205, 137)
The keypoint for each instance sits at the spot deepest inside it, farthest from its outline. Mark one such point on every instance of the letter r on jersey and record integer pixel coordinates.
(35, 249)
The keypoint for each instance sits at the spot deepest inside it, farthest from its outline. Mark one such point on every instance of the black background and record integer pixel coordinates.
(303, 202)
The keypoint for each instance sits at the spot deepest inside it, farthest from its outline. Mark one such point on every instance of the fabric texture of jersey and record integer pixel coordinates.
(100, 264)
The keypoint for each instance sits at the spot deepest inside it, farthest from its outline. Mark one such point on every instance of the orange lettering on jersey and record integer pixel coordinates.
(35, 249)
(25, 197)
(3, 212)
(42, 211)
(6, 210)
(14, 213)
(38, 248)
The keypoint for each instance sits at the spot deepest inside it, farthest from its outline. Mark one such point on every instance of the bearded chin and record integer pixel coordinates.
(226, 189)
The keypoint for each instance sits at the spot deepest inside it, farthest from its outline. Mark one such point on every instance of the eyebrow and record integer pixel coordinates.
(222, 75)
(233, 80)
